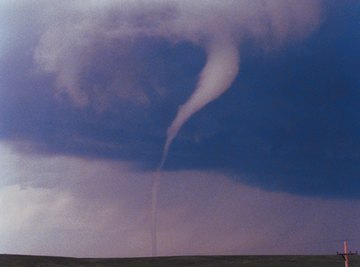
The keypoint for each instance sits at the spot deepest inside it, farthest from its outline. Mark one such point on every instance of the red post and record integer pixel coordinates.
(346, 254)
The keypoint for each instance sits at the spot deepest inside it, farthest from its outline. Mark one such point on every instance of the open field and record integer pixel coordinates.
(195, 261)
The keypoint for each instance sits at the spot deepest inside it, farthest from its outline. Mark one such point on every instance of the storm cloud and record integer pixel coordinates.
(105, 79)
(73, 31)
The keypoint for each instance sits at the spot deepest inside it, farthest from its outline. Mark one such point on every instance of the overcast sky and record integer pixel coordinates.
(250, 107)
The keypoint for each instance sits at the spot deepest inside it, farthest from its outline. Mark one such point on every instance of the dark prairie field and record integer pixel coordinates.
(194, 261)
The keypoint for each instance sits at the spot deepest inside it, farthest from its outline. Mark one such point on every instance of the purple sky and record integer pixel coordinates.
(89, 208)
(260, 98)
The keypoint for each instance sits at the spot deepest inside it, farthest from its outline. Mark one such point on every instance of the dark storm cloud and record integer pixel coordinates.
(296, 128)
(75, 82)
(129, 124)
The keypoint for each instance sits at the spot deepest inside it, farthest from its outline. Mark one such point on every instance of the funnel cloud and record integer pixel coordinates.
(219, 72)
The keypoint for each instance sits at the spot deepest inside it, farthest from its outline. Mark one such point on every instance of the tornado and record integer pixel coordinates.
(154, 200)
(220, 70)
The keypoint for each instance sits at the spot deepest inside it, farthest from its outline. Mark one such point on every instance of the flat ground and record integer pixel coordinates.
(194, 261)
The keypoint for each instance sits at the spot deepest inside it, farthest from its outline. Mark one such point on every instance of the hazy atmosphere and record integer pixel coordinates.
(203, 127)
